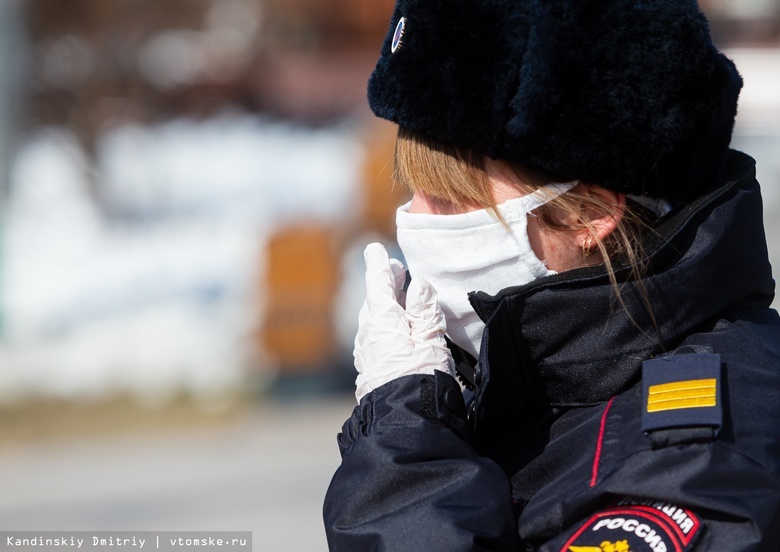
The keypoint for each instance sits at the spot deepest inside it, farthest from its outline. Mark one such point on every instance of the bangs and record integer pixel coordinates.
(441, 171)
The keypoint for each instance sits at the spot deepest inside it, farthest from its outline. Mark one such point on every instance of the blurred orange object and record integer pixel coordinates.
(301, 280)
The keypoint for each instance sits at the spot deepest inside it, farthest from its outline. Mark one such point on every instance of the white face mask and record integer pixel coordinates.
(473, 251)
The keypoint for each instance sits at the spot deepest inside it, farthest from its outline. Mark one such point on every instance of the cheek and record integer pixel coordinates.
(558, 249)
(537, 239)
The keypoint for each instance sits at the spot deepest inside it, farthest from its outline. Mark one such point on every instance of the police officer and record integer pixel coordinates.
(585, 359)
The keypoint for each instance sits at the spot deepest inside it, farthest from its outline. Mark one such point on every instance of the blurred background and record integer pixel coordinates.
(186, 188)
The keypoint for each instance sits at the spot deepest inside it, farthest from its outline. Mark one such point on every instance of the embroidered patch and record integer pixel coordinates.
(633, 525)
(398, 35)
(682, 391)
(685, 523)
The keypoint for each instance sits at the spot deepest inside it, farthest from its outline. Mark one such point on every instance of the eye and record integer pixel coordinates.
(398, 35)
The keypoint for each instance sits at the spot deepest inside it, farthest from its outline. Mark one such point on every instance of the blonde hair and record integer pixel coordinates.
(460, 177)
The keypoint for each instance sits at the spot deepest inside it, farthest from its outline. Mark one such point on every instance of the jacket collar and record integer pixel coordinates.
(568, 340)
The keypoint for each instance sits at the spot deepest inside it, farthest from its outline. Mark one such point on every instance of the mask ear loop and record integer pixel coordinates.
(546, 194)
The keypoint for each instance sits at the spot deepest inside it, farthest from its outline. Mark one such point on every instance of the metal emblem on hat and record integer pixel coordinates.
(398, 35)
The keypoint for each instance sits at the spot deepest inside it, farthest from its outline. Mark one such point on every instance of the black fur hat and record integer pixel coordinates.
(629, 94)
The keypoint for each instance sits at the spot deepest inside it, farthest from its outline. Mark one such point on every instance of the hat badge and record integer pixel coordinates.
(398, 35)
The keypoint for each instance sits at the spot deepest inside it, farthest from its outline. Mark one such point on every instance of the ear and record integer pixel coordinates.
(602, 221)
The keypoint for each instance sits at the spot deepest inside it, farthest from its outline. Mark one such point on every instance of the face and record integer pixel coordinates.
(559, 250)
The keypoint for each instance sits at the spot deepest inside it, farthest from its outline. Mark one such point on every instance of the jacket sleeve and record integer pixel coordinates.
(410, 480)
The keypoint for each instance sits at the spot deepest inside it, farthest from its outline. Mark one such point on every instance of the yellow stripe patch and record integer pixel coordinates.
(698, 393)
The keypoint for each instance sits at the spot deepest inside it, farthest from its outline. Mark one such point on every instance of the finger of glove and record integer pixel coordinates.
(383, 308)
(426, 319)
(399, 275)
(427, 326)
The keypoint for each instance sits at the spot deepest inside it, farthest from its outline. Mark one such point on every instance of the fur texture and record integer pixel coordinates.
(629, 94)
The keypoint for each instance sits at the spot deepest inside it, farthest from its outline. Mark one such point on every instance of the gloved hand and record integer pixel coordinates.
(398, 334)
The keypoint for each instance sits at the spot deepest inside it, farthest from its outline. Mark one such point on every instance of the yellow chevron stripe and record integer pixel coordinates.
(683, 394)
(699, 393)
(682, 385)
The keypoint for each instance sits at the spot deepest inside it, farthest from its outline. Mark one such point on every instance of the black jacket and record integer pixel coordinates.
(591, 429)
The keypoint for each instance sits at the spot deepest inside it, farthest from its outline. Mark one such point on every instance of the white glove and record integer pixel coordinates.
(393, 341)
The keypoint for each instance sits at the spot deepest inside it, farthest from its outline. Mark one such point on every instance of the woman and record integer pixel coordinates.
(587, 257)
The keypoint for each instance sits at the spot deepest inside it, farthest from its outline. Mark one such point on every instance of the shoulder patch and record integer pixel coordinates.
(632, 525)
(682, 391)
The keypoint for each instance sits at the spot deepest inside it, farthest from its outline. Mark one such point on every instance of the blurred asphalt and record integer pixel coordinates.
(266, 473)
